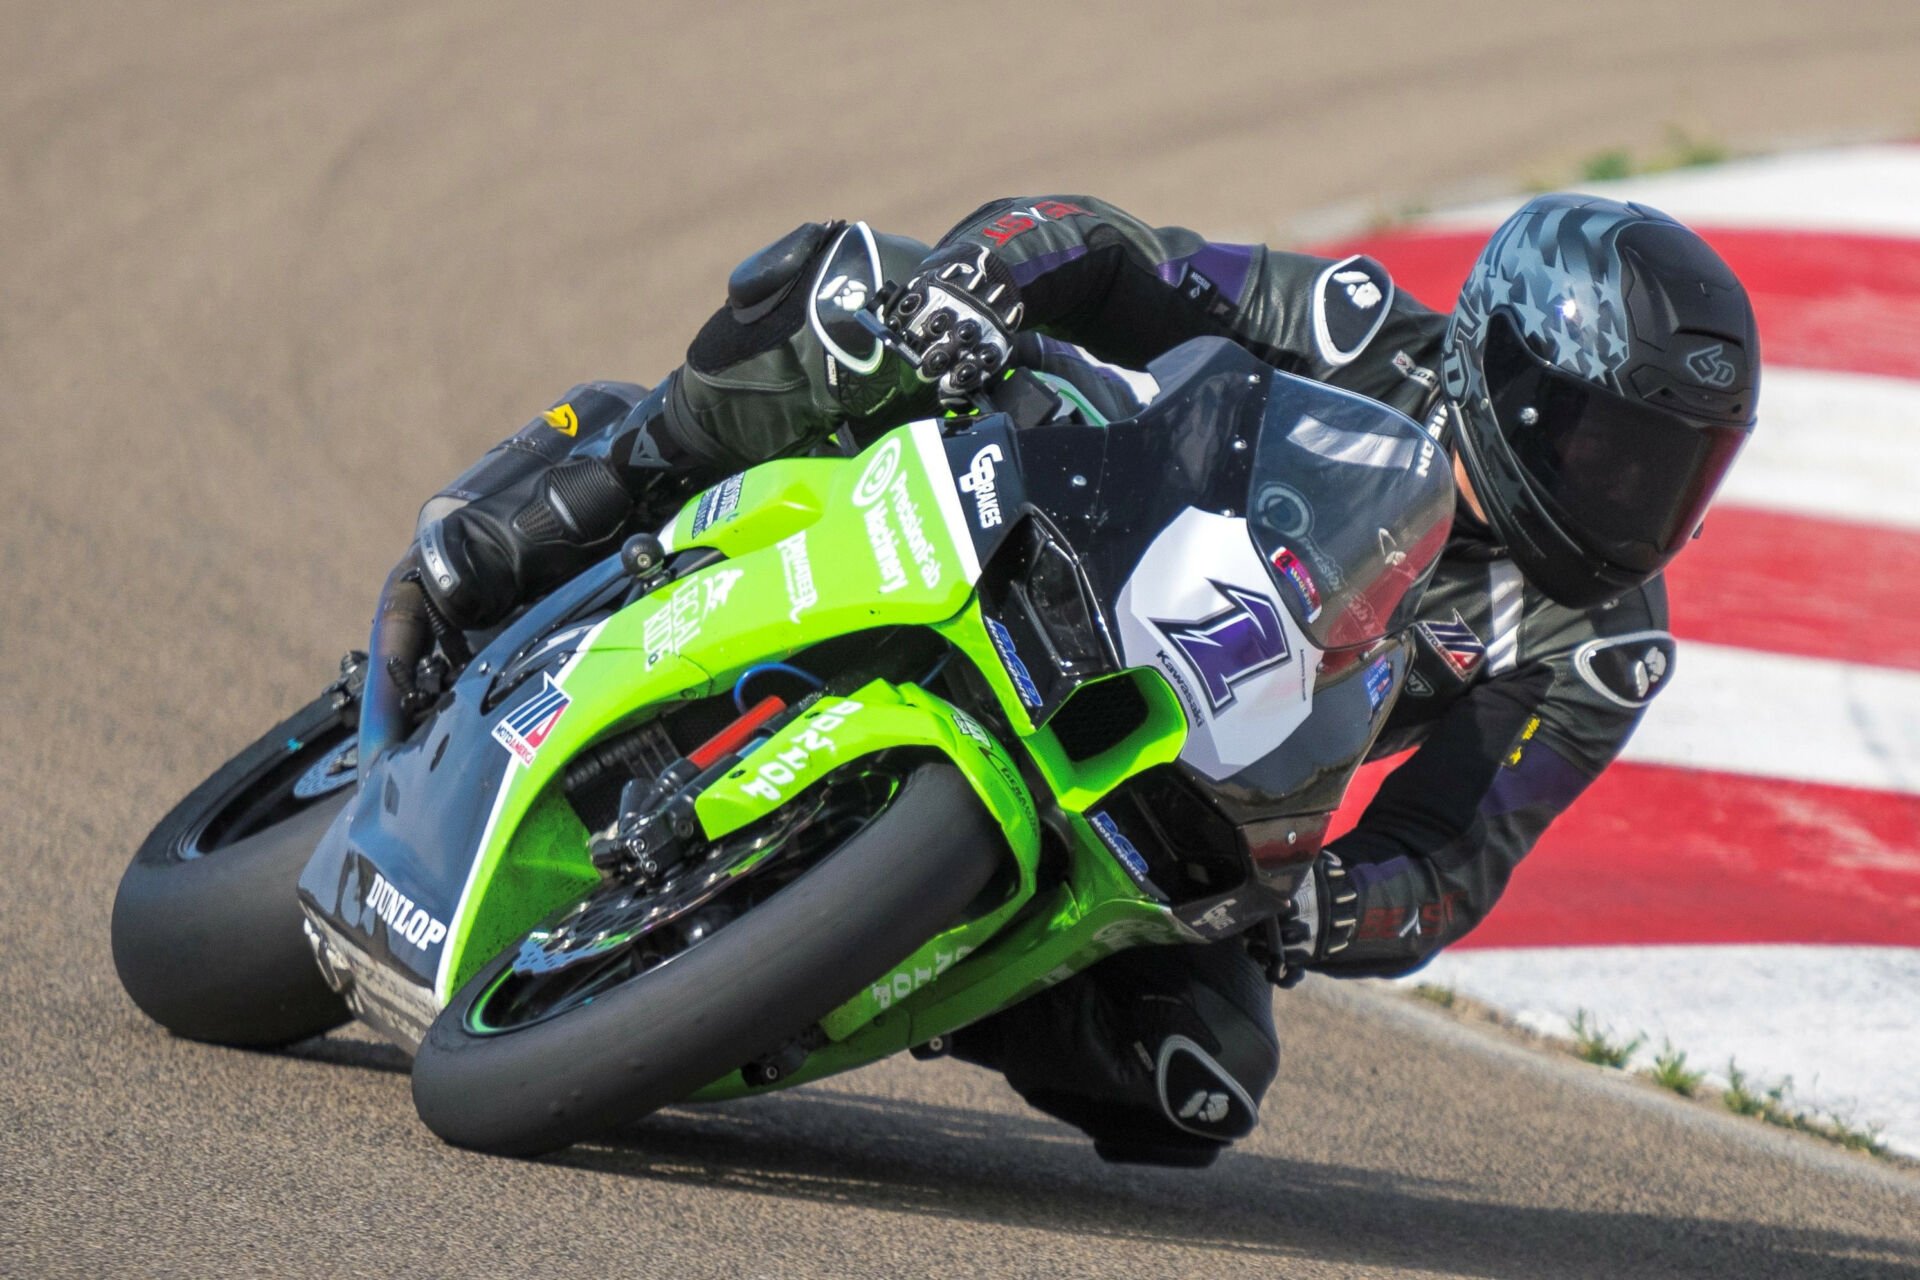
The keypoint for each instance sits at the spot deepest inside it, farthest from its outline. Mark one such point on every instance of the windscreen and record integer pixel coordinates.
(1349, 503)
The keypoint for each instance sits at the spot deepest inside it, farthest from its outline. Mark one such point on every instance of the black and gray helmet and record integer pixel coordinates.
(1604, 367)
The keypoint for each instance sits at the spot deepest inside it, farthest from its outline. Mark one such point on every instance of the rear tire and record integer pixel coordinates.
(748, 988)
(208, 936)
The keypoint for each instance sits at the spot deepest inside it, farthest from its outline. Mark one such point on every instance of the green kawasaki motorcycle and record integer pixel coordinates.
(857, 751)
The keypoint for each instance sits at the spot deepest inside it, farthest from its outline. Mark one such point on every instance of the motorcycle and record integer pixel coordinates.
(857, 751)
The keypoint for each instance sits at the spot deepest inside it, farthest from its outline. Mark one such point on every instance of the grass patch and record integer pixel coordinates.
(1742, 1096)
(1681, 150)
(1684, 151)
(1739, 1097)
(1594, 1043)
(1769, 1103)
(1670, 1071)
(1607, 166)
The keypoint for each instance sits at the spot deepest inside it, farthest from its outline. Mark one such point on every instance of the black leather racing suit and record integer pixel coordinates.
(1514, 703)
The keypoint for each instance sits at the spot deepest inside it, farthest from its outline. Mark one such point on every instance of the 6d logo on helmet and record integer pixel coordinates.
(1711, 367)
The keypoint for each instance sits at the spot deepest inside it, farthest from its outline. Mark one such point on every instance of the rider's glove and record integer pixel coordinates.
(959, 315)
(1322, 919)
(479, 561)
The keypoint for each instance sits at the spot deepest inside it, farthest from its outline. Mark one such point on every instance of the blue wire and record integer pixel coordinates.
(740, 685)
(938, 667)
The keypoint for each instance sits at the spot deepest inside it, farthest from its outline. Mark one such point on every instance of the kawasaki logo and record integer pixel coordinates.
(1232, 646)
(979, 481)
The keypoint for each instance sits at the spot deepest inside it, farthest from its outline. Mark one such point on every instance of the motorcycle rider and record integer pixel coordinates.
(1589, 390)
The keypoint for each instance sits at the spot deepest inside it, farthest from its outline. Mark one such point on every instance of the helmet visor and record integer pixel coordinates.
(1628, 480)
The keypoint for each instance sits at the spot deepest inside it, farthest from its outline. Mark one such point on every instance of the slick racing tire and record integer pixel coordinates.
(208, 936)
(742, 991)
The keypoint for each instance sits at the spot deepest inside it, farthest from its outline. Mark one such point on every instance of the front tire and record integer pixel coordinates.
(208, 937)
(748, 988)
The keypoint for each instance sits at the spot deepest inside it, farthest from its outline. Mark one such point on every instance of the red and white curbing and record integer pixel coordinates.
(1745, 882)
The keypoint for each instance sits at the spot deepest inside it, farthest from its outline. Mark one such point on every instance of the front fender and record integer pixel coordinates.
(836, 732)
(877, 717)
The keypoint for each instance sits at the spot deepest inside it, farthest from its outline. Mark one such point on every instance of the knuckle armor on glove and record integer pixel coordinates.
(1322, 919)
(959, 315)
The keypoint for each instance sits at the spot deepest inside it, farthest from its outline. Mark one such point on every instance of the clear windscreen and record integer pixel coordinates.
(1349, 502)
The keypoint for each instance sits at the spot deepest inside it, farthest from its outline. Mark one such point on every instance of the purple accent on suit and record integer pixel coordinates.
(1226, 265)
(1542, 777)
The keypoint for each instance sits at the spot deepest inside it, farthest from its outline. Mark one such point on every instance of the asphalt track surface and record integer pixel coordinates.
(270, 275)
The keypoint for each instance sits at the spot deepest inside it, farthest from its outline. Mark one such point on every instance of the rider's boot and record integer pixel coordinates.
(532, 522)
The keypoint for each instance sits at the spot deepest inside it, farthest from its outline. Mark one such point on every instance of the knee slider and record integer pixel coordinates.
(1199, 1096)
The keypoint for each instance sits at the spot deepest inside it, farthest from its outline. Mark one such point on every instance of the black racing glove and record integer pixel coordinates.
(1322, 919)
(958, 315)
(481, 560)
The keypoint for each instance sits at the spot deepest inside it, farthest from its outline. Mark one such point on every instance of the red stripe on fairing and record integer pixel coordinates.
(1800, 585)
(1824, 300)
(1653, 855)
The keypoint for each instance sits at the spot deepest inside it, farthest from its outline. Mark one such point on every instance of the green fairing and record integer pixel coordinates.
(804, 564)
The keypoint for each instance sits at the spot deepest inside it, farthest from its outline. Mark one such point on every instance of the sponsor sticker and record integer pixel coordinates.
(1118, 845)
(1379, 682)
(925, 557)
(717, 504)
(979, 481)
(1296, 573)
(563, 419)
(677, 623)
(1457, 644)
(772, 777)
(407, 921)
(882, 490)
(798, 567)
(878, 474)
(1010, 658)
(902, 983)
(523, 730)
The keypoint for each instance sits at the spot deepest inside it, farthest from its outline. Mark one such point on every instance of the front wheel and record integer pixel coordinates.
(207, 930)
(527, 1059)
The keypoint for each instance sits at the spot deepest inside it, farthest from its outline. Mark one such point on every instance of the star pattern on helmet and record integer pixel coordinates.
(1565, 304)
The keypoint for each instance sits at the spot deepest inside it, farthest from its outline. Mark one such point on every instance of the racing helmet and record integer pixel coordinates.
(1603, 367)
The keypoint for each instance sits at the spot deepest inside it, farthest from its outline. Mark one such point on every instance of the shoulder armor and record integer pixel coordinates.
(1351, 299)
